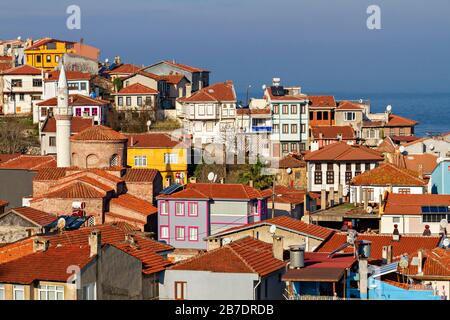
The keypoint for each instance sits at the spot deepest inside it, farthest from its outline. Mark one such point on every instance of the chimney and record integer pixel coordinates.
(95, 242)
(323, 199)
(306, 204)
(396, 233)
(296, 256)
(419, 262)
(131, 141)
(387, 254)
(250, 183)
(188, 90)
(339, 137)
(427, 231)
(40, 245)
(192, 180)
(277, 247)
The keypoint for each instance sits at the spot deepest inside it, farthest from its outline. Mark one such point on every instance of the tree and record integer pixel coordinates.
(118, 84)
(254, 173)
(15, 136)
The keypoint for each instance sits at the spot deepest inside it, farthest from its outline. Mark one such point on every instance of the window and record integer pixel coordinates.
(37, 82)
(38, 58)
(294, 109)
(193, 209)
(120, 101)
(140, 161)
(294, 147)
(318, 177)
(276, 128)
(51, 46)
(285, 128)
(78, 112)
(18, 292)
(285, 109)
(325, 115)
(330, 177)
(366, 166)
(357, 169)
(139, 101)
(318, 167)
(201, 109)
(16, 83)
(73, 85)
(319, 115)
(114, 161)
(83, 86)
(302, 146)
(404, 190)
(348, 176)
(179, 209)
(293, 128)
(21, 97)
(94, 111)
(303, 109)
(209, 126)
(47, 292)
(402, 131)
(164, 232)
(56, 59)
(179, 234)
(303, 128)
(48, 58)
(2, 292)
(170, 158)
(285, 147)
(193, 233)
(89, 292)
(209, 110)
(276, 109)
(86, 112)
(349, 116)
(128, 101)
(311, 115)
(164, 208)
(395, 219)
(52, 141)
(370, 194)
(180, 290)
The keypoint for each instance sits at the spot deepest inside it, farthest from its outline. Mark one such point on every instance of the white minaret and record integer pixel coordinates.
(63, 116)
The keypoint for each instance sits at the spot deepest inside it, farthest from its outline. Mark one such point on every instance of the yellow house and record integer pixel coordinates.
(46, 53)
(158, 151)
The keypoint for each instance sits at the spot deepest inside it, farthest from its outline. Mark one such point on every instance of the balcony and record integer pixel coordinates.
(261, 129)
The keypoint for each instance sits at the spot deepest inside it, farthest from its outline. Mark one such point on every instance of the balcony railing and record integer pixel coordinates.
(261, 128)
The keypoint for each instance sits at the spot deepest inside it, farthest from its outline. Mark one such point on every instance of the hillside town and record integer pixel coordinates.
(150, 182)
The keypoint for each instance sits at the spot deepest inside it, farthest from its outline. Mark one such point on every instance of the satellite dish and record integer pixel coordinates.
(211, 176)
(389, 108)
(19, 38)
(226, 241)
(149, 123)
(273, 229)
(351, 236)
(369, 209)
(402, 149)
(431, 147)
(106, 60)
(61, 224)
(264, 87)
(288, 170)
(443, 223)
(446, 242)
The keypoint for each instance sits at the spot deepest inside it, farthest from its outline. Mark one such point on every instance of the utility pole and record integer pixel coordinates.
(273, 195)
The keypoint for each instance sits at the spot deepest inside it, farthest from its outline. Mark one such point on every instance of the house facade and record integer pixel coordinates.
(324, 135)
(77, 83)
(202, 209)
(137, 97)
(321, 110)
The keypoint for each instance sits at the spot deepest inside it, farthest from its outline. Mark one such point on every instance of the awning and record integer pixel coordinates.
(314, 274)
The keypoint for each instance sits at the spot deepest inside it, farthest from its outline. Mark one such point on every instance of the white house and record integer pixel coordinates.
(335, 165)
(413, 212)
(22, 89)
(386, 177)
(245, 269)
(209, 112)
(78, 83)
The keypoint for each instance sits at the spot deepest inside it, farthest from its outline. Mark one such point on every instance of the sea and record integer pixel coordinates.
(430, 110)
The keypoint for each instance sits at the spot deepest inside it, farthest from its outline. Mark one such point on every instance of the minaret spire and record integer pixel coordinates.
(63, 116)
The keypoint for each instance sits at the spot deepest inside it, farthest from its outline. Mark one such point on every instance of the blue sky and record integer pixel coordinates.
(322, 45)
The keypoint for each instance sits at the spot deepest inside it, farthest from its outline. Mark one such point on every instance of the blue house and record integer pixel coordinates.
(440, 178)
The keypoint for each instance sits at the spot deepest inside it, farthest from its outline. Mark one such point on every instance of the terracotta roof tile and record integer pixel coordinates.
(185, 67)
(78, 124)
(151, 140)
(332, 132)
(300, 97)
(388, 174)
(215, 191)
(253, 111)
(75, 190)
(222, 91)
(8, 156)
(292, 161)
(41, 42)
(341, 151)
(322, 102)
(130, 202)
(98, 133)
(70, 75)
(407, 244)
(77, 100)
(172, 78)
(28, 162)
(412, 203)
(137, 88)
(426, 162)
(38, 217)
(246, 255)
(125, 69)
(3, 203)
(140, 175)
(436, 264)
(397, 121)
(23, 70)
(347, 105)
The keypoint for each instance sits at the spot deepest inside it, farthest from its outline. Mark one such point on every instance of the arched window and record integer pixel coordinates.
(91, 161)
(114, 161)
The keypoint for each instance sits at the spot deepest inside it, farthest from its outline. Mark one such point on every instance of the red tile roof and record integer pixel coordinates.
(78, 124)
(74, 190)
(28, 162)
(125, 69)
(332, 132)
(215, 191)
(8, 156)
(138, 205)
(407, 244)
(6, 58)
(246, 255)
(3, 203)
(98, 133)
(341, 151)
(70, 75)
(140, 175)
(50, 265)
(37, 217)
(322, 102)
(436, 263)
(151, 140)
(5, 66)
(285, 223)
(412, 203)
(43, 41)
(253, 111)
(287, 195)
(76, 100)
(347, 105)
(292, 161)
(145, 249)
(397, 121)
(137, 88)
(185, 66)
(172, 78)
(387, 146)
(388, 174)
(23, 70)
(217, 92)
(426, 162)
(301, 97)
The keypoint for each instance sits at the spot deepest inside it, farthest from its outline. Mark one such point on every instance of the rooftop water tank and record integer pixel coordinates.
(297, 256)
